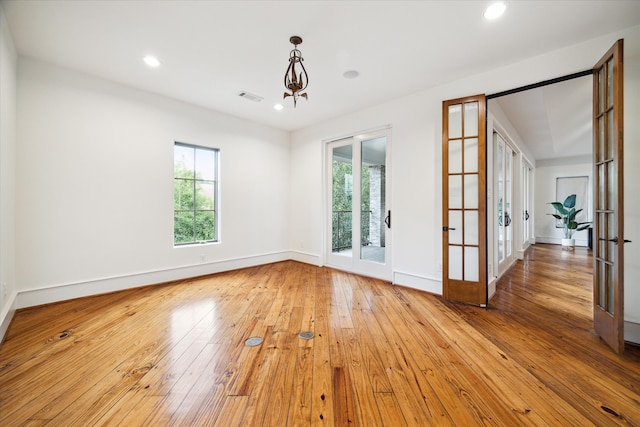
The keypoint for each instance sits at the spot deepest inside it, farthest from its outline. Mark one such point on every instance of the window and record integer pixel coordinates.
(195, 194)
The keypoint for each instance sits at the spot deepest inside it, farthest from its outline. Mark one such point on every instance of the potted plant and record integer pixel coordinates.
(566, 213)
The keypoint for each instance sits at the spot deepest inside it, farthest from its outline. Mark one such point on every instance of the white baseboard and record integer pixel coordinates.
(33, 297)
(421, 283)
(632, 332)
(6, 315)
(491, 287)
(558, 241)
(307, 258)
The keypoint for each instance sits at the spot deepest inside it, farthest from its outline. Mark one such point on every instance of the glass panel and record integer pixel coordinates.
(205, 195)
(471, 191)
(602, 268)
(471, 264)
(183, 161)
(455, 191)
(455, 262)
(471, 227)
(341, 203)
(500, 197)
(610, 288)
(600, 91)
(601, 168)
(508, 157)
(610, 143)
(612, 232)
(205, 226)
(205, 164)
(601, 151)
(611, 186)
(471, 119)
(455, 121)
(455, 221)
(471, 155)
(599, 234)
(500, 168)
(183, 194)
(501, 243)
(455, 156)
(373, 204)
(183, 227)
(610, 82)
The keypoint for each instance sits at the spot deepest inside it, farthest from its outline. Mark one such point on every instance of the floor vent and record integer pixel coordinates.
(253, 341)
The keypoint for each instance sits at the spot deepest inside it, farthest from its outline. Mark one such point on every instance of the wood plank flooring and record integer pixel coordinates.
(175, 354)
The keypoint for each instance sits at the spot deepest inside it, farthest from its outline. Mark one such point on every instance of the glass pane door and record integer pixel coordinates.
(358, 211)
(504, 199)
(373, 205)
(463, 200)
(608, 277)
(527, 204)
(342, 200)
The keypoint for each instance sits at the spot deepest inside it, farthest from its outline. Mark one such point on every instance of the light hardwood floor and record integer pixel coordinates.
(174, 354)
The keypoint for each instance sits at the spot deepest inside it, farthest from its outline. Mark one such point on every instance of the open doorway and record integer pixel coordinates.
(608, 172)
(542, 136)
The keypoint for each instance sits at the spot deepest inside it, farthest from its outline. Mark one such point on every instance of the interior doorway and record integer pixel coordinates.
(606, 162)
(548, 124)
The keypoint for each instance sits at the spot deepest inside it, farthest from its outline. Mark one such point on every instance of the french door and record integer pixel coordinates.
(464, 192)
(358, 209)
(504, 201)
(608, 259)
(527, 204)
(464, 213)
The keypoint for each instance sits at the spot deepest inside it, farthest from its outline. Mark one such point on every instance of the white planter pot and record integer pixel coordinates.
(568, 244)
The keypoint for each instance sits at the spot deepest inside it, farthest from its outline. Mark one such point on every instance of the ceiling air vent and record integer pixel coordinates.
(250, 96)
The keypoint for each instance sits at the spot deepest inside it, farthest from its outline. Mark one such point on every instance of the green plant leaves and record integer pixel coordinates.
(570, 201)
(567, 213)
(560, 208)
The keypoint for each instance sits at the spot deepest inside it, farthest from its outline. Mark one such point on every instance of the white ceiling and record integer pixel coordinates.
(554, 121)
(212, 50)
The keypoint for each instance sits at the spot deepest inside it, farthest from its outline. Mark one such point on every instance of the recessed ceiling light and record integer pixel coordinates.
(151, 61)
(351, 74)
(278, 107)
(495, 10)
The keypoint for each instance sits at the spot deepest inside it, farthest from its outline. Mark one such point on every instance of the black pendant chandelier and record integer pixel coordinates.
(294, 82)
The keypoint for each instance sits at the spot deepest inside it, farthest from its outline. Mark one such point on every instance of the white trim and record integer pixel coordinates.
(422, 283)
(558, 241)
(307, 258)
(6, 315)
(66, 291)
(356, 134)
(492, 287)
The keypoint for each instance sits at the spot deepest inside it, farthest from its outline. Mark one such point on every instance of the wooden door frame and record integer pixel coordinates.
(475, 293)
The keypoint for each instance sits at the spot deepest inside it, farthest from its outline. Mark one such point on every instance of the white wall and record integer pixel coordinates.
(8, 69)
(545, 184)
(416, 160)
(95, 187)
